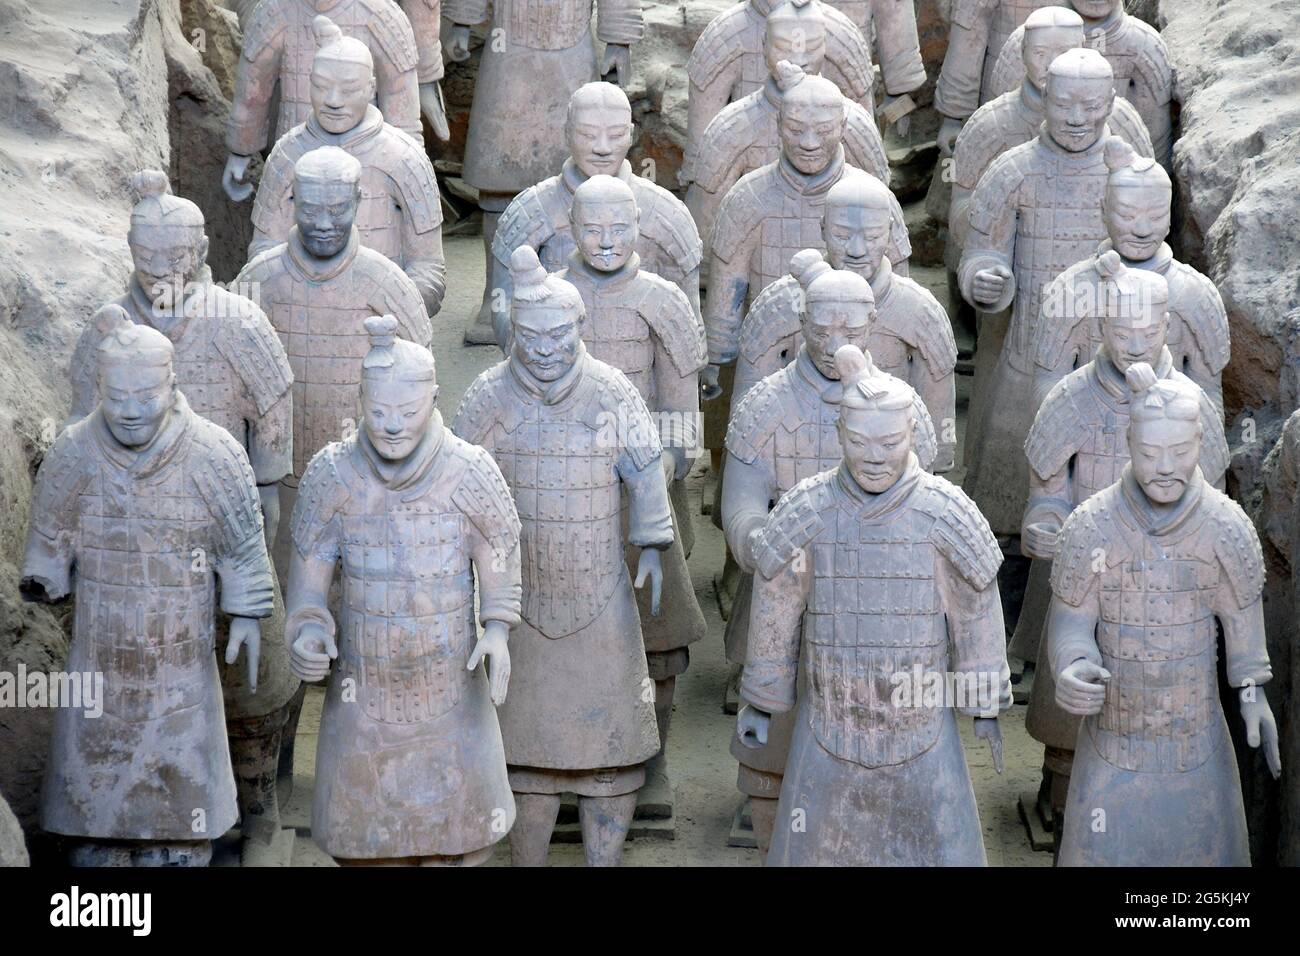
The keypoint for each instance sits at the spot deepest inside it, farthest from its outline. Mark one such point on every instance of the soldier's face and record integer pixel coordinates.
(135, 401)
(340, 92)
(1076, 110)
(1045, 45)
(599, 138)
(396, 414)
(1137, 219)
(166, 259)
(1165, 453)
(1095, 9)
(606, 233)
(801, 41)
(810, 134)
(829, 325)
(856, 238)
(876, 445)
(546, 340)
(1136, 333)
(324, 213)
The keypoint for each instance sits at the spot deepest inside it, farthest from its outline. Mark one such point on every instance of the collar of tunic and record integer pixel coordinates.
(165, 446)
(1153, 519)
(818, 183)
(321, 270)
(371, 123)
(413, 471)
(549, 393)
(870, 507)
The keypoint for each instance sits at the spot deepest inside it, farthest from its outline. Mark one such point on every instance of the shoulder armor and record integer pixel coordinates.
(793, 524)
(1071, 290)
(967, 13)
(932, 334)
(1126, 122)
(325, 488)
(393, 292)
(1009, 70)
(1237, 547)
(998, 184)
(248, 342)
(526, 222)
(1054, 436)
(740, 213)
(483, 495)
(756, 418)
(1089, 536)
(1216, 456)
(666, 220)
(862, 145)
(392, 33)
(849, 52)
(66, 470)
(614, 394)
(266, 265)
(961, 532)
(668, 312)
(267, 24)
(1201, 308)
(925, 442)
(418, 185)
(726, 137)
(772, 317)
(480, 406)
(981, 139)
(225, 480)
(1151, 60)
(718, 47)
(276, 186)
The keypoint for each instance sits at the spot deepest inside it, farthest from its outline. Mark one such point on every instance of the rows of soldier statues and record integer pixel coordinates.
(501, 606)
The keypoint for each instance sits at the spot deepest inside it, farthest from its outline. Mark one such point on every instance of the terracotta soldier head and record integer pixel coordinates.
(604, 218)
(812, 119)
(326, 194)
(168, 245)
(859, 224)
(876, 422)
(1138, 202)
(1078, 99)
(837, 309)
(546, 316)
(1096, 9)
(342, 78)
(399, 388)
(1134, 312)
(599, 128)
(1049, 32)
(796, 32)
(137, 385)
(1164, 433)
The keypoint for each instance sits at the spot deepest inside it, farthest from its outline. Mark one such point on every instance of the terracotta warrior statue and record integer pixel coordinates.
(400, 213)
(1135, 51)
(728, 61)
(1137, 209)
(598, 130)
(1035, 212)
(580, 451)
(644, 326)
(1076, 448)
(278, 50)
(746, 135)
(538, 53)
(876, 579)
(138, 511)
(233, 370)
(910, 338)
(1147, 573)
(410, 767)
(976, 32)
(1000, 124)
(784, 431)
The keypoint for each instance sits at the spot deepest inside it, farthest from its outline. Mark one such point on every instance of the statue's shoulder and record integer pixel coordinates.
(1236, 545)
(720, 44)
(773, 316)
(667, 222)
(529, 219)
(1091, 540)
(481, 406)
(668, 312)
(245, 338)
(482, 494)
(959, 530)
(1060, 424)
(794, 523)
(1200, 306)
(326, 487)
(392, 33)
(758, 416)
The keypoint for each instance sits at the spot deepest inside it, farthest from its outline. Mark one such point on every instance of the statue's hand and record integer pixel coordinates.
(493, 645)
(650, 565)
(1081, 688)
(458, 43)
(617, 60)
(709, 387)
(752, 726)
(245, 632)
(232, 178)
(949, 129)
(986, 728)
(1261, 726)
(435, 110)
(311, 653)
(1038, 540)
(990, 284)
